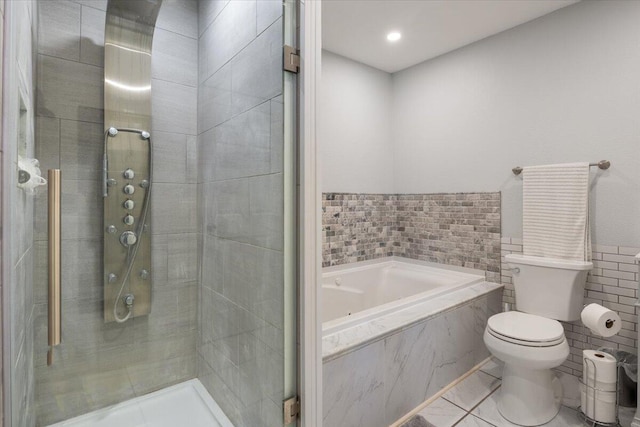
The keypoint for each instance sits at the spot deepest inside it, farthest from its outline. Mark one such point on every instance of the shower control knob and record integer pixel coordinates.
(129, 220)
(128, 204)
(129, 189)
(128, 173)
(128, 238)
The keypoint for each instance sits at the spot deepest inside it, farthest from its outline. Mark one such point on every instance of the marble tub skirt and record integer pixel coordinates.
(377, 371)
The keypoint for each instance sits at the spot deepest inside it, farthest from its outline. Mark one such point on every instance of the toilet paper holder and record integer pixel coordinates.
(584, 417)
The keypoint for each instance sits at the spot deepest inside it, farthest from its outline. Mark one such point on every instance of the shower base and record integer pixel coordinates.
(187, 403)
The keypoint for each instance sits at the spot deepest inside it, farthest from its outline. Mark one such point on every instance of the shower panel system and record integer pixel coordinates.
(127, 160)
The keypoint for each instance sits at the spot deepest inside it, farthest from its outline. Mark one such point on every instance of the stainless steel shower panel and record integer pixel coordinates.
(127, 103)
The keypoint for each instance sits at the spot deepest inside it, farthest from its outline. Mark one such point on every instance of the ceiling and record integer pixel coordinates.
(357, 29)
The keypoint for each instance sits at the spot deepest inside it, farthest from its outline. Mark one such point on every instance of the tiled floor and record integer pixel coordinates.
(472, 403)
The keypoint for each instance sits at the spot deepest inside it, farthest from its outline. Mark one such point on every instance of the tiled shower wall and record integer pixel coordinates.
(98, 364)
(460, 229)
(18, 111)
(613, 282)
(240, 146)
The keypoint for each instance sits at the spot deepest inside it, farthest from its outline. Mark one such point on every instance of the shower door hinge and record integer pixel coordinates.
(291, 410)
(291, 59)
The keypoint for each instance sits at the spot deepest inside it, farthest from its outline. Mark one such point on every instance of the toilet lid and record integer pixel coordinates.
(526, 329)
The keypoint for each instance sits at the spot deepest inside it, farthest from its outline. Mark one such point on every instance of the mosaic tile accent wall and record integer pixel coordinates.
(613, 282)
(456, 229)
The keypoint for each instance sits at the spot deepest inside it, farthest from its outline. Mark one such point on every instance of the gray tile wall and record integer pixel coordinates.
(456, 229)
(99, 364)
(613, 283)
(240, 140)
(19, 207)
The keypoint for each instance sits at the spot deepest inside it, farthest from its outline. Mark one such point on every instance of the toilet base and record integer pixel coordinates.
(529, 397)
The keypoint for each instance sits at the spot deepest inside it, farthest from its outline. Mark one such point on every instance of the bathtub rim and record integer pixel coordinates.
(352, 339)
(467, 277)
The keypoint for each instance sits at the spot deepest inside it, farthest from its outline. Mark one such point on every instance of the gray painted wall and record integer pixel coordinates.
(99, 364)
(562, 88)
(354, 127)
(240, 146)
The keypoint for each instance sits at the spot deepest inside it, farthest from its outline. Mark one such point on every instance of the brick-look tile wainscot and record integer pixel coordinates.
(613, 282)
(460, 229)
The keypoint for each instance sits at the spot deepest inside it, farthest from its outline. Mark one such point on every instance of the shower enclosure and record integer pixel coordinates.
(177, 249)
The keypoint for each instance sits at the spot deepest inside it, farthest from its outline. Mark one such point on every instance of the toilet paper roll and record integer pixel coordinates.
(602, 409)
(599, 370)
(600, 320)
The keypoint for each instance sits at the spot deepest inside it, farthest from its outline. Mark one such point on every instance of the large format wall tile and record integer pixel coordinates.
(92, 36)
(175, 58)
(173, 209)
(59, 29)
(256, 71)
(69, 90)
(240, 146)
(243, 145)
(81, 149)
(174, 107)
(235, 28)
(179, 16)
(214, 100)
(208, 11)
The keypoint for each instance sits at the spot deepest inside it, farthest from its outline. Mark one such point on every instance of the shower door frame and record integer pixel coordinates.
(310, 216)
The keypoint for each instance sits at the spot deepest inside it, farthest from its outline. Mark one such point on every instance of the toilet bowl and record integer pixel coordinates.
(531, 341)
(530, 346)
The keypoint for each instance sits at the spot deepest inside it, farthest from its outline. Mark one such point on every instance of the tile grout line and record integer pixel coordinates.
(478, 404)
(439, 394)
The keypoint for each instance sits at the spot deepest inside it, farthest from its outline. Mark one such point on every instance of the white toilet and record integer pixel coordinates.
(529, 341)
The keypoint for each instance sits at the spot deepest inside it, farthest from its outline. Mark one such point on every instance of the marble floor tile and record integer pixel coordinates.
(473, 421)
(442, 413)
(472, 390)
(488, 411)
(493, 367)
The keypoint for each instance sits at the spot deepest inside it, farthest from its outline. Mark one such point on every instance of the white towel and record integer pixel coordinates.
(555, 211)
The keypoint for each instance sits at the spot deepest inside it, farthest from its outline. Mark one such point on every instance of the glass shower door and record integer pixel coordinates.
(221, 308)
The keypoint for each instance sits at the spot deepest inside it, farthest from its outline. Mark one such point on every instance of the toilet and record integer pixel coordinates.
(531, 341)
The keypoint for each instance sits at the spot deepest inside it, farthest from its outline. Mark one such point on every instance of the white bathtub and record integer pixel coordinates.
(359, 292)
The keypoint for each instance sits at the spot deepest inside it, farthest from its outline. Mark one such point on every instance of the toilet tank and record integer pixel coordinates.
(549, 287)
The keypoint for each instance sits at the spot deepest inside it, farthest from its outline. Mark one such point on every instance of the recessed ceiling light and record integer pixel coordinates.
(394, 36)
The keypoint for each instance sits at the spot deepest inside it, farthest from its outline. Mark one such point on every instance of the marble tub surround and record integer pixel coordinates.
(460, 229)
(612, 282)
(396, 371)
(337, 344)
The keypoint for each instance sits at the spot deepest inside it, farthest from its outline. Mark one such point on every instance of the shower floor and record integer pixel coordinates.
(169, 407)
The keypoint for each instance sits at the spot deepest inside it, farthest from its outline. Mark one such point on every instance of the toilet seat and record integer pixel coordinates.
(526, 329)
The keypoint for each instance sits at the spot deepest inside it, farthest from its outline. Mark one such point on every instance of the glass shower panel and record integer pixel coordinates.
(223, 301)
(99, 363)
(246, 352)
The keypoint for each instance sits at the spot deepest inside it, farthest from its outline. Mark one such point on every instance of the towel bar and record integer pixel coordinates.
(602, 164)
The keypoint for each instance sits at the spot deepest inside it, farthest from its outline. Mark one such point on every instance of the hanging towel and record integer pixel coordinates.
(555, 211)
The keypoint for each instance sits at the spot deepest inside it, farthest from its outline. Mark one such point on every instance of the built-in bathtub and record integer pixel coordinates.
(395, 331)
(357, 293)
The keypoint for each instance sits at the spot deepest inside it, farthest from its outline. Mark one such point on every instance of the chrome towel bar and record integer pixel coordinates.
(602, 164)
